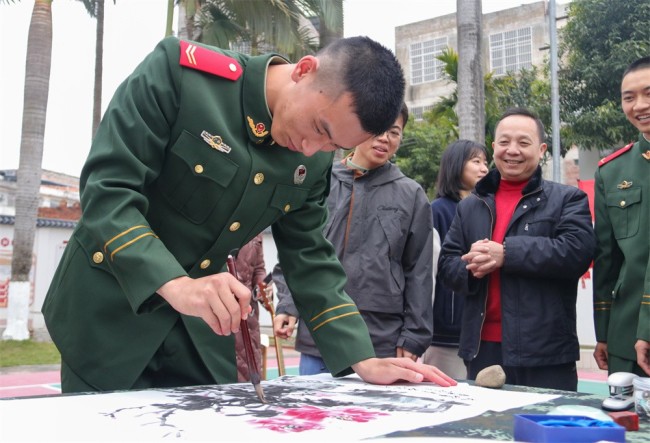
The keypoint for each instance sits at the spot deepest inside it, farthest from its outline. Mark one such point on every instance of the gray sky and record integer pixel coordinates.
(132, 29)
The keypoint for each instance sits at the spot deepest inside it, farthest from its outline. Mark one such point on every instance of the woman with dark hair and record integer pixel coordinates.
(463, 163)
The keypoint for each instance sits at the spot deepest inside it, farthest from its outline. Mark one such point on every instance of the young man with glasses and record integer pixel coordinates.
(380, 224)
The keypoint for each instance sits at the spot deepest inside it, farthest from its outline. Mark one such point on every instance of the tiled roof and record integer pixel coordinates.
(41, 222)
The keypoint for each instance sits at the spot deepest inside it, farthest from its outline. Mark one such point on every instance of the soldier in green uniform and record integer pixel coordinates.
(622, 263)
(199, 150)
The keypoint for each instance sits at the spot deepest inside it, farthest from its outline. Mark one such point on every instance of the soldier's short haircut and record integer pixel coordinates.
(642, 63)
(370, 73)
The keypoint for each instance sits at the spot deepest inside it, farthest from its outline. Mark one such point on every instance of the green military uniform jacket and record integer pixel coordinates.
(182, 171)
(622, 262)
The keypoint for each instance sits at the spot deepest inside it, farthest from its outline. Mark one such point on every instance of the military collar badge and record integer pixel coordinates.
(624, 184)
(646, 155)
(299, 175)
(215, 142)
(259, 129)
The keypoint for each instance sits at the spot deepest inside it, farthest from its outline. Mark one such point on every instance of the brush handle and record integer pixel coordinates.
(265, 296)
(248, 342)
(250, 355)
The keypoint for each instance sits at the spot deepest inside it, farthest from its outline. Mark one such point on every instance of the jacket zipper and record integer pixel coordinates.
(478, 345)
(535, 191)
(350, 210)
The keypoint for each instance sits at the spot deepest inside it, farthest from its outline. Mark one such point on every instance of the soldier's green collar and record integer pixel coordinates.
(256, 109)
(643, 139)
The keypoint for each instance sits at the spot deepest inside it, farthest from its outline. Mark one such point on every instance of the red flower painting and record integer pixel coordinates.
(309, 418)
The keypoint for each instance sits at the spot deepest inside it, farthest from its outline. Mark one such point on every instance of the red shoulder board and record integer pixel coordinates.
(198, 57)
(613, 155)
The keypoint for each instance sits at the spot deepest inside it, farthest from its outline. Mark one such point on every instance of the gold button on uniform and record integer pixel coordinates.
(258, 179)
(205, 263)
(622, 203)
(98, 257)
(198, 169)
(234, 226)
(287, 207)
(232, 67)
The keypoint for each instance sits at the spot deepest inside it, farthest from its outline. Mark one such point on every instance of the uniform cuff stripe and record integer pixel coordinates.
(129, 243)
(334, 318)
(331, 309)
(121, 234)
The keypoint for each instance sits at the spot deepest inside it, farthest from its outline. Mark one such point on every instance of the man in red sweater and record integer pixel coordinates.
(516, 249)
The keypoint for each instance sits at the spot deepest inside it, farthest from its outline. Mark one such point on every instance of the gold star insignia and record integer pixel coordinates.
(258, 128)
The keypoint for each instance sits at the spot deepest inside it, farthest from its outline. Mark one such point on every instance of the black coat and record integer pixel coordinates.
(549, 244)
(447, 305)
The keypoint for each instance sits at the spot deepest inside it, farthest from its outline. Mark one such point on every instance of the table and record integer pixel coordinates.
(301, 409)
(499, 425)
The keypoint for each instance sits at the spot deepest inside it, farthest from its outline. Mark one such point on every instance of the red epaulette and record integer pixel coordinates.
(203, 59)
(613, 155)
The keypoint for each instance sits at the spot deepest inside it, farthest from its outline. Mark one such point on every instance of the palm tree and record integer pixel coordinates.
(96, 9)
(471, 109)
(273, 25)
(330, 20)
(443, 111)
(264, 25)
(188, 10)
(37, 81)
(37, 86)
(99, 64)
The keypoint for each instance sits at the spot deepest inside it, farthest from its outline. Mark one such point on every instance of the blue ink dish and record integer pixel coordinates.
(559, 428)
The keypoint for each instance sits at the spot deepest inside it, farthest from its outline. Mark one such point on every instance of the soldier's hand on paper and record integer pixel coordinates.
(484, 257)
(283, 325)
(220, 300)
(384, 371)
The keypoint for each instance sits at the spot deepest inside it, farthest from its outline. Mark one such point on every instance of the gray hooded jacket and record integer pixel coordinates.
(380, 225)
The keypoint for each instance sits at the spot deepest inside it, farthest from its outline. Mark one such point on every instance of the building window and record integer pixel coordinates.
(511, 51)
(418, 111)
(425, 67)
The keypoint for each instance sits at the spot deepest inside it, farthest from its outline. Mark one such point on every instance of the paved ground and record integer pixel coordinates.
(26, 381)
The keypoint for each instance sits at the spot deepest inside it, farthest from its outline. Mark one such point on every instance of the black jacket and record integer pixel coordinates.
(447, 305)
(549, 244)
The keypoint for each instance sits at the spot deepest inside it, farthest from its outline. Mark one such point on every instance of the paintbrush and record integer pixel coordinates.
(248, 343)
